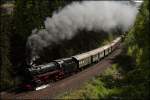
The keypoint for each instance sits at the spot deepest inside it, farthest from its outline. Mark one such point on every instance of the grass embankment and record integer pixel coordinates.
(98, 87)
(110, 84)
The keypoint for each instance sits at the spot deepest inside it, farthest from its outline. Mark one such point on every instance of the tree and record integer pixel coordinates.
(138, 48)
(28, 15)
(6, 79)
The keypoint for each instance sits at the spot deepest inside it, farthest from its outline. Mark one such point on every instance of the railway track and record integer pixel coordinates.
(73, 82)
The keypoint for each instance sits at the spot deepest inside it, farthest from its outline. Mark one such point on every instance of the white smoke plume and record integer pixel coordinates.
(89, 15)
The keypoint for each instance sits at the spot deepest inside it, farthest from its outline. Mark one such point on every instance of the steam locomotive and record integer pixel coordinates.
(58, 69)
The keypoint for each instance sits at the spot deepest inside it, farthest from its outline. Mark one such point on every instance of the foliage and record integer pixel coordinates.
(28, 14)
(97, 87)
(138, 48)
(138, 37)
(6, 78)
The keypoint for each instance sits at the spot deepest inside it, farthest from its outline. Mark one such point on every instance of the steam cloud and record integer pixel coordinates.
(89, 15)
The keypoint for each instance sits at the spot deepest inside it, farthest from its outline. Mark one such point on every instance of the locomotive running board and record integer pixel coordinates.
(41, 87)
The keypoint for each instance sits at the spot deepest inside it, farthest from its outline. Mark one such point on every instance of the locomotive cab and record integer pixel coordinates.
(68, 65)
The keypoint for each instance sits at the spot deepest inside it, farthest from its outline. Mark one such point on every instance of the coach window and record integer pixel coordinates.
(81, 62)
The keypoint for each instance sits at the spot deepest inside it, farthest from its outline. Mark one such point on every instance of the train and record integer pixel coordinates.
(60, 68)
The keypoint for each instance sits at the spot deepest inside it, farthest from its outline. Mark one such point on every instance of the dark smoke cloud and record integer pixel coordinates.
(89, 15)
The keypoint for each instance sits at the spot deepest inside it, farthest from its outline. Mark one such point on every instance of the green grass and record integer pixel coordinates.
(96, 88)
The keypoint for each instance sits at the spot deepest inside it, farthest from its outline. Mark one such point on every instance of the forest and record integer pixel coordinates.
(133, 64)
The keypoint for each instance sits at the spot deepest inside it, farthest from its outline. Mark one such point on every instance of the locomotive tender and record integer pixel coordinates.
(58, 69)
